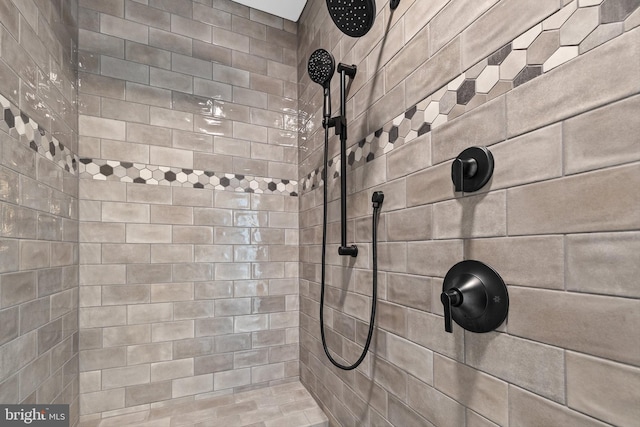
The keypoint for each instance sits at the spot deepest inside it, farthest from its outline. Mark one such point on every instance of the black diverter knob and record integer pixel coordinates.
(474, 296)
(472, 169)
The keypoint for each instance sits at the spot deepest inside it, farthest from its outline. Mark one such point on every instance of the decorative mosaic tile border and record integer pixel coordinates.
(568, 33)
(110, 170)
(16, 123)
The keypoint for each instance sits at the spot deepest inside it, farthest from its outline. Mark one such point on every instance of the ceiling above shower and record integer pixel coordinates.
(287, 9)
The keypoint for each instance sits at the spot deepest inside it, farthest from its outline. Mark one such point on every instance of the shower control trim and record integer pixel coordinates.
(472, 169)
(474, 296)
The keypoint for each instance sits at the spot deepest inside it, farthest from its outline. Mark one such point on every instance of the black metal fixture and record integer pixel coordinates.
(355, 17)
(321, 69)
(474, 296)
(472, 169)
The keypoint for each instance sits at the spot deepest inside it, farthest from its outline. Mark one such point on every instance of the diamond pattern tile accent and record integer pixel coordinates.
(566, 34)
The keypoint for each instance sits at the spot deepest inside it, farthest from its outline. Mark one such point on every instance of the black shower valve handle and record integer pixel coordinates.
(466, 168)
(472, 169)
(452, 297)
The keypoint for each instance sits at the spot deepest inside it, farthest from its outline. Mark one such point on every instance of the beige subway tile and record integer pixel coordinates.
(410, 291)
(149, 313)
(17, 288)
(499, 26)
(193, 385)
(10, 260)
(169, 370)
(129, 294)
(192, 309)
(97, 317)
(452, 220)
(124, 29)
(501, 355)
(271, 372)
(583, 136)
(212, 290)
(449, 344)
(192, 272)
(214, 326)
(410, 357)
(170, 157)
(487, 396)
(529, 409)
(542, 148)
(593, 318)
(589, 257)
(171, 292)
(100, 44)
(91, 381)
(433, 258)
(122, 377)
(101, 401)
(256, 322)
(165, 79)
(125, 212)
(147, 15)
(169, 41)
(283, 320)
(171, 253)
(230, 379)
(543, 102)
(171, 331)
(102, 232)
(190, 28)
(102, 275)
(192, 234)
(102, 128)
(536, 261)
(433, 405)
(145, 134)
(124, 70)
(434, 73)
(192, 197)
(602, 389)
(269, 338)
(171, 119)
(190, 140)
(147, 393)
(11, 325)
(561, 206)
(483, 126)
(148, 194)
(124, 151)
(126, 335)
(148, 353)
(409, 224)
(148, 233)
(124, 254)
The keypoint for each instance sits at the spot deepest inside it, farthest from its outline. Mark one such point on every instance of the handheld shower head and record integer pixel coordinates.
(353, 17)
(321, 67)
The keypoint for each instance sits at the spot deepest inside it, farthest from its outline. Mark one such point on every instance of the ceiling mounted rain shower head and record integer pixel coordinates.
(321, 67)
(353, 17)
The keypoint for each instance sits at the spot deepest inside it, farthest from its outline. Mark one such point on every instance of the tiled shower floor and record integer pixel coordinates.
(285, 405)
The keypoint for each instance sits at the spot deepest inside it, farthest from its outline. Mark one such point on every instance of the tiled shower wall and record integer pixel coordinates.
(551, 87)
(38, 204)
(188, 204)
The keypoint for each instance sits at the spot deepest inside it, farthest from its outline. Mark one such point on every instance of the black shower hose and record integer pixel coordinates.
(377, 203)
